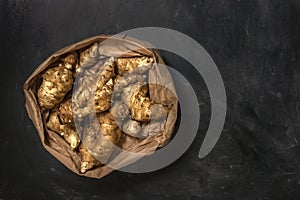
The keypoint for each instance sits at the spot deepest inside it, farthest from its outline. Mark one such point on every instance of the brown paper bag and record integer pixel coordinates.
(116, 46)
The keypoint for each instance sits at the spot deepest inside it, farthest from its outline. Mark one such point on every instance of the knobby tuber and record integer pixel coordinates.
(56, 83)
(137, 64)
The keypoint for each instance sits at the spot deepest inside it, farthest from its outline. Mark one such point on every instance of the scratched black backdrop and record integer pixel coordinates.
(255, 44)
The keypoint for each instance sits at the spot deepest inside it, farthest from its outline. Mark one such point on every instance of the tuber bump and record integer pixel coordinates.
(70, 61)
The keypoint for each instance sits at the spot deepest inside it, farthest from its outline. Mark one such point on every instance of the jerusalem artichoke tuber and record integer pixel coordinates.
(103, 97)
(137, 64)
(82, 95)
(56, 83)
(88, 161)
(132, 128)
(101, 141)
(67, 131)
(106, 72)
(54, 122)
(65, 111)
(89, 56)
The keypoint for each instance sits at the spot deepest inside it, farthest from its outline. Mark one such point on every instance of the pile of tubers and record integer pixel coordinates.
(115, 89)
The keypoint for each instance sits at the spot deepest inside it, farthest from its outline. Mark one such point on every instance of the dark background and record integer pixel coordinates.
(254, 43)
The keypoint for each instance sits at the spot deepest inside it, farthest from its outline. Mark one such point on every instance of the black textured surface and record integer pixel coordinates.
(255, 44)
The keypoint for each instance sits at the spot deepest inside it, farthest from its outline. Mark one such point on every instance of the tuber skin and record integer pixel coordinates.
(70, 61)
(140, 109)
(132, 92)
(135, 96)
(88, 161)
(122, 82)
(101, 140)
(71, 136)
(89, 56)
(112, 136)
(54, 122)
(56, 83)
(137, 64)
(103, 97)
(140, 106)
(132, 128)
(81, 102)
(67, 131)
(119, 110)
(143, 110)
(83, 99)
(106, 72)
(97, 146)
(65, 112)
